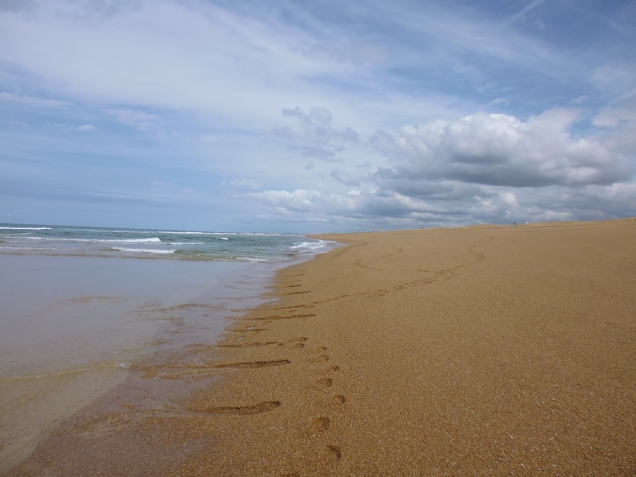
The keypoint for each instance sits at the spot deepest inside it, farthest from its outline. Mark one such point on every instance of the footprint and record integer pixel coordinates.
(324, 382)
(301, 339)
(319, 359)
(254, 364)
(335, 367)
(339, 399)
(320, 424)
(247, 345)
(292, 307)
(335, 451)
(322, 348)
(284, 317)
(299, 345)
(259, 408)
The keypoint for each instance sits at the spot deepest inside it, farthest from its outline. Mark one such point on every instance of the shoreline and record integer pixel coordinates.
(480, 350)
(42, 396)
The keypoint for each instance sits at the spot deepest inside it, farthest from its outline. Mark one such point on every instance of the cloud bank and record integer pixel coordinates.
(482, 167)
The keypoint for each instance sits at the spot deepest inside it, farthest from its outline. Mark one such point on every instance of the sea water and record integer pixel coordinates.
(80, 306)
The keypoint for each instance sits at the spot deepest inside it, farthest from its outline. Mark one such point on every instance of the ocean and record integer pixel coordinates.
(143, 243)
(82, 306)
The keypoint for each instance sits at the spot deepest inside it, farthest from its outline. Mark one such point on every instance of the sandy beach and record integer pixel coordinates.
(485, 350)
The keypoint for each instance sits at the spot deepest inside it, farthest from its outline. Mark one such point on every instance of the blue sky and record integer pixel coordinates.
(316, 116)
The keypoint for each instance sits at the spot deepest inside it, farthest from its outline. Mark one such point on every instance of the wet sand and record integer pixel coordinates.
(489, 350)
(72, 328)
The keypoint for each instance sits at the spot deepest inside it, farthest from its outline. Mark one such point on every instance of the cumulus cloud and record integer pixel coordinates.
(382, 207)
(313, 134)
(498, 149)
(480, 168)
(389, 208)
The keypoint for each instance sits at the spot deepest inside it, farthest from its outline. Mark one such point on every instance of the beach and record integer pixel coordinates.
(484, 350)
(84, 309)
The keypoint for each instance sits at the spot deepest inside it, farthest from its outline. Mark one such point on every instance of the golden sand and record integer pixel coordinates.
(490, 350)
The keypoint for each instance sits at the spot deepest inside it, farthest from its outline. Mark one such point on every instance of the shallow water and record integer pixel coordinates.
(73, 326)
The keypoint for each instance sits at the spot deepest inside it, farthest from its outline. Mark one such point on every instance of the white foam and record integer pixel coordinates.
(183, 243)
(223, 238)
(144, 250)
(249, 259)
(309, 246)
(25, 228)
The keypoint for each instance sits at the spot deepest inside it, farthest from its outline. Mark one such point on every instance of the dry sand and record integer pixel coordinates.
(490, 350)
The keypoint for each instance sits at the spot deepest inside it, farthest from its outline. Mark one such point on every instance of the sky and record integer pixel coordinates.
(296, 116)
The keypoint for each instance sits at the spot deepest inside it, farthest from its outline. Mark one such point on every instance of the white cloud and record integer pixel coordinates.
(313, 135)
(613, 116)
(497, 149)
(520, 15)
(33, 101)
(315, 128)
(86, 127)
(386, 208)
(581, 99)
(193, 56)
(297, 200)
(618, 125)
(483, 167)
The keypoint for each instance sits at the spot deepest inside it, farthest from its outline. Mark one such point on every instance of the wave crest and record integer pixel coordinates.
(144, 250)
